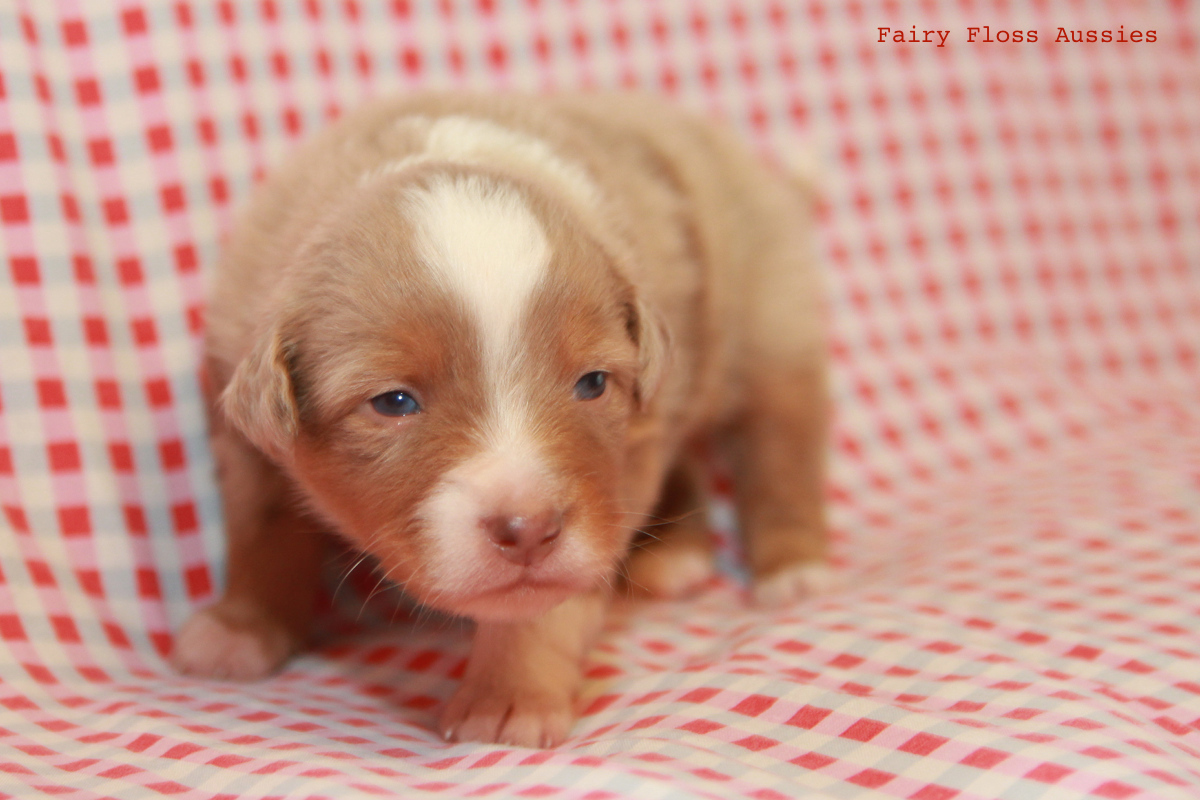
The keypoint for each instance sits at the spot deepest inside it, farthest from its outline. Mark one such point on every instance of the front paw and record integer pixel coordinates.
(670, 571)
(793, 583)
(229, 642)
(509, 712)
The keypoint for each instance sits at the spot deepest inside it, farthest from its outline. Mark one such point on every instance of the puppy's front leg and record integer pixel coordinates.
(275, 555)
(522, 678)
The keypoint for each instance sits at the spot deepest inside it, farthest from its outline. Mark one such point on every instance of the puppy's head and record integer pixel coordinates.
(449, 374)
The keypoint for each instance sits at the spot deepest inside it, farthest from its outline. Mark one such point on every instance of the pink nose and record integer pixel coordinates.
(524, 540)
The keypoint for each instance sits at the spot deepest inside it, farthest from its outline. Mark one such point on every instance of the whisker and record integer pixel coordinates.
(353, 567)
(629, 580)
(378, 583)
(641, 531)
(677, 519)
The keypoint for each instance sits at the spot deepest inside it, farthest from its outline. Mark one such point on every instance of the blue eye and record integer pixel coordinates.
(591, 386)
(395, 404)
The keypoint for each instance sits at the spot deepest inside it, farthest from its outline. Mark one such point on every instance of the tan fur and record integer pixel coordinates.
(678, 264)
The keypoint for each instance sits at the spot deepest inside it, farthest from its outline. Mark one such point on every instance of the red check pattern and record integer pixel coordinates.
(1012, 236)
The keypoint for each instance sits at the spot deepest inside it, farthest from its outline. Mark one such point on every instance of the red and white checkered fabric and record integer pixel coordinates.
(1012, 233)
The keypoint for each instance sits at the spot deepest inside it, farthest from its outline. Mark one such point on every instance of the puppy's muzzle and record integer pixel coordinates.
(524, 540)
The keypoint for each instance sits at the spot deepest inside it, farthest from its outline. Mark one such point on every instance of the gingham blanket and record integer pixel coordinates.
(1012, 236)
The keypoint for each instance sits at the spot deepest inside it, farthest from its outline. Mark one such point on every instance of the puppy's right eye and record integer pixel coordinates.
(395, 404)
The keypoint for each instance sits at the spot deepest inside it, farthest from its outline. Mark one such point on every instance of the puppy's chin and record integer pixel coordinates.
(513, 603)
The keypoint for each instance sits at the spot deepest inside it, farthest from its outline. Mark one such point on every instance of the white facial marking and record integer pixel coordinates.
(483, 243)
(486, 247)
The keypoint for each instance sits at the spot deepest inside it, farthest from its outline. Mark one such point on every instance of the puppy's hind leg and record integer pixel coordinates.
(777, 449)
(672, 554)
(274, 568)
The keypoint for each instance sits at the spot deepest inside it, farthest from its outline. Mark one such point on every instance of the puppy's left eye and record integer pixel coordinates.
(395, 404)
(591, 386)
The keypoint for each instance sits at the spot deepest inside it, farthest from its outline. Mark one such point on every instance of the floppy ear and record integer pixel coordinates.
(649, 333)
(259, 400)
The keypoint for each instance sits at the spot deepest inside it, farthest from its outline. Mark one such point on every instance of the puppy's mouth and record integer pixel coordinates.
(528, 583)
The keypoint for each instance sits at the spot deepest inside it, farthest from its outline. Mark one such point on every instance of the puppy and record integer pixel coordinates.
(482, 338)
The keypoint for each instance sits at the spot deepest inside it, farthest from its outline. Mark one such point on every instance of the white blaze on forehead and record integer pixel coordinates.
(483, 243)
(480, 237)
